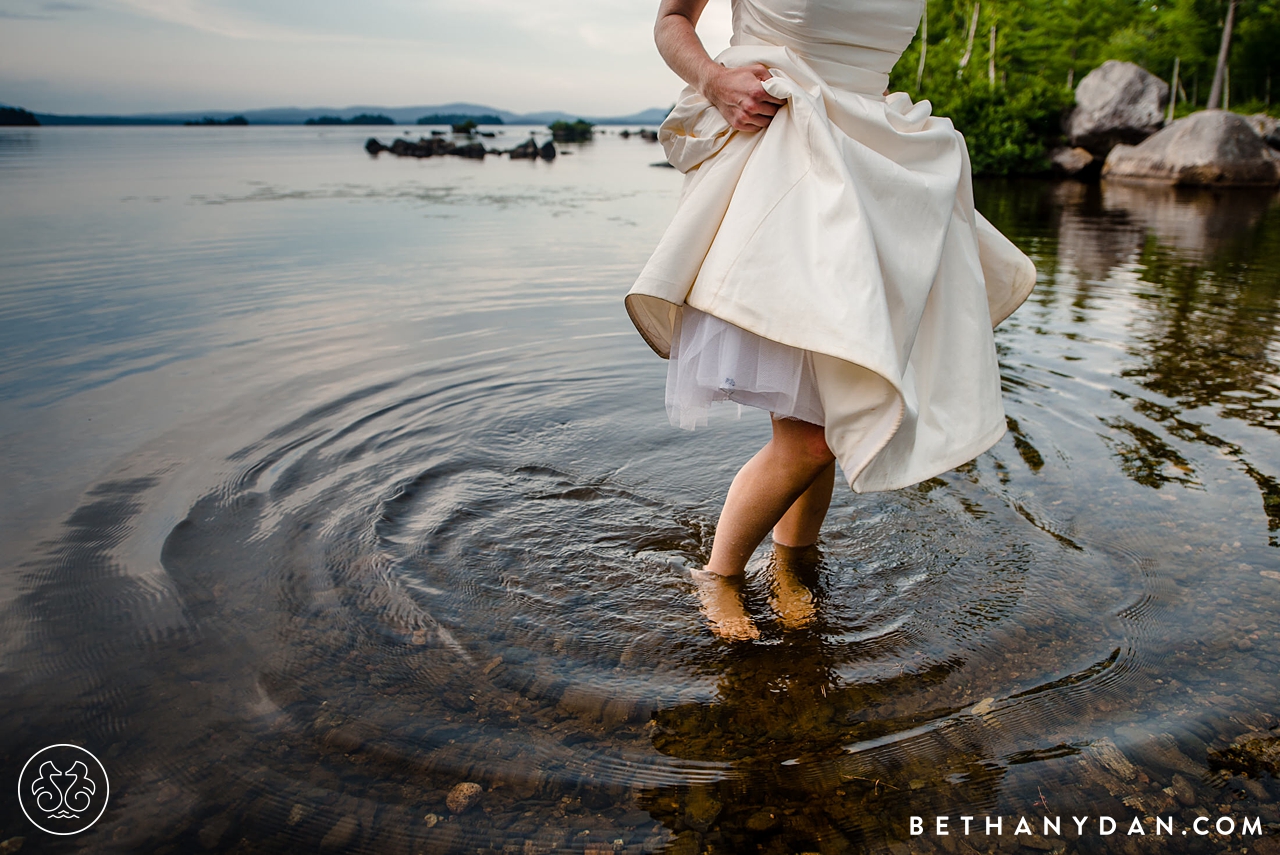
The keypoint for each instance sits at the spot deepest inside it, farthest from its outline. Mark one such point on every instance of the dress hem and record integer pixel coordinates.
(972, 451)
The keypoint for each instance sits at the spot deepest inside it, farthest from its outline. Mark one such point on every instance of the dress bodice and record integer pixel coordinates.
(842, 40)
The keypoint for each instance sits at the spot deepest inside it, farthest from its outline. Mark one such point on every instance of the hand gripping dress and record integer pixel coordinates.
(832, 267)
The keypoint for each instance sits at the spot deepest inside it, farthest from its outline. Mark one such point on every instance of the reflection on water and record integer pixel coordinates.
(382, 500)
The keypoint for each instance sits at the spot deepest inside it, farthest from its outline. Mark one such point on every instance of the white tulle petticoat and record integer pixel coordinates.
(713, 360)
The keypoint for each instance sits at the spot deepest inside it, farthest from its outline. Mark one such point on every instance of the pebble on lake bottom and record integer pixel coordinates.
(463, 797)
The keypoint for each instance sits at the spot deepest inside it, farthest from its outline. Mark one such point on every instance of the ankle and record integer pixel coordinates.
(707, 574)
(794, 547)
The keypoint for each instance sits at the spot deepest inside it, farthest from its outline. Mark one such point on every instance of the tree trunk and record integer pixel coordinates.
(1219, 73)
(1173, 89)
(924, 43)
(968, 48)
(991, 58)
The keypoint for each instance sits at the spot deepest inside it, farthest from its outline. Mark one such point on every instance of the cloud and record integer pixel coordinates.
(595, 57)
(43, 15)
(207, 18)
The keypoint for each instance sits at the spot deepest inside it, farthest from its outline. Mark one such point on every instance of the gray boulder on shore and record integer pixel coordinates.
(1116, 103)
(1267, 128)
(1212, 147)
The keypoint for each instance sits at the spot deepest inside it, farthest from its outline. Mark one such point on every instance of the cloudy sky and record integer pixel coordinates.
(124, 56)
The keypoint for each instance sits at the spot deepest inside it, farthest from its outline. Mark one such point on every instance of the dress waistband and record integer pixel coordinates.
(836, 74)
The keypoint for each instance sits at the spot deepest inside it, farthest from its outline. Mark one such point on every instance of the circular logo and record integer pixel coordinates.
(63, 789)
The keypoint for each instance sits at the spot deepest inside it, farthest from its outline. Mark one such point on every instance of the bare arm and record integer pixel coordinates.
(735, 92)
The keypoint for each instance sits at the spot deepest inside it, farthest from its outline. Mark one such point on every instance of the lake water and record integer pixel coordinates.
(333, 482)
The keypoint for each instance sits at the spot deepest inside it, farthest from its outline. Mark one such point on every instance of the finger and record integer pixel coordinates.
(765, 109)
(760, 71)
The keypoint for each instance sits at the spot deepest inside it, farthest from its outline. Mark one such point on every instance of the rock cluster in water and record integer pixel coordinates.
(1117, 128)
(439, 146)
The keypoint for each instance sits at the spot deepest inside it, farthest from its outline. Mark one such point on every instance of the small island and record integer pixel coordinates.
(17, 117)
(362, 119)
(208, 121)
(579, 131)
(460, 119)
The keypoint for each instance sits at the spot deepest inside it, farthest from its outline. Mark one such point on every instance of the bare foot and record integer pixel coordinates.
(792, 599)
(721, 599)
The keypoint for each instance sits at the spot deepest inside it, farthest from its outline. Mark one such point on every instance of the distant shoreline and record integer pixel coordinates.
(283, 116)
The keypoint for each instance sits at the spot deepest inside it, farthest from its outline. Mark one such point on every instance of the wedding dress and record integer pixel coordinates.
(832, 267)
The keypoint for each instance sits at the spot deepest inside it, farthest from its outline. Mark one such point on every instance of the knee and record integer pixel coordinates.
(805, 441)
(815, 446)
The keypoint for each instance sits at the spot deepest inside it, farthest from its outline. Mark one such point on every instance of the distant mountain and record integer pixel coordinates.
(400, 115)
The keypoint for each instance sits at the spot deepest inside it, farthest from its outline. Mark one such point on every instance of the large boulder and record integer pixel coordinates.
(1116, 103)
(1267, 128)
(1210, 147)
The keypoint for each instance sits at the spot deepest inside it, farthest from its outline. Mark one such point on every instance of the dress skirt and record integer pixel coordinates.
(831, 267)
(713, 360)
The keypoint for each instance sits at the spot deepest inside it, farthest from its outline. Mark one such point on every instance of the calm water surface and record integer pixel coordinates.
(333, 482)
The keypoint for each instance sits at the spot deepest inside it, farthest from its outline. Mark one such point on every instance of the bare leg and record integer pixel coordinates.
(795, 572)
(801, 523)
(766, 488)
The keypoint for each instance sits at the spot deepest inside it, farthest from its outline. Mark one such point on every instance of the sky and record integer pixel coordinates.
(594, 57)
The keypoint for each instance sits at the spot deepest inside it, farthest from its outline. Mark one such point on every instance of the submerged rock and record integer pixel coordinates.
(1183, 791)
(212, 832)
(548, 151)
(1212, 147)
(701, 809)
(1254, 753)
(1109, 755)
(342, 835)
(1116, 103)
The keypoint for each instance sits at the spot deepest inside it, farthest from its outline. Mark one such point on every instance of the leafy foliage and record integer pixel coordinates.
(1043, 47)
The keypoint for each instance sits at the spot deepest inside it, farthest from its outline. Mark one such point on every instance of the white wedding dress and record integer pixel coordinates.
(831, 267)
